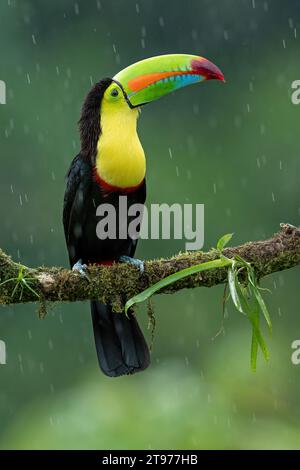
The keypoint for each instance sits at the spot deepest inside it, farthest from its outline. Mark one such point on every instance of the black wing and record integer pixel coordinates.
(77, 189)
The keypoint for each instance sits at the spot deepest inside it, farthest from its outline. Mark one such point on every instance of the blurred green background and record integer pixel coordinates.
(234, 147)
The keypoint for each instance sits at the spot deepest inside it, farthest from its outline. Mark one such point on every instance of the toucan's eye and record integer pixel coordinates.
(114, 92)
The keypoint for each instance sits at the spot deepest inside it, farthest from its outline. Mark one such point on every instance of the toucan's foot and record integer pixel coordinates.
(81, 269)
(134, 261)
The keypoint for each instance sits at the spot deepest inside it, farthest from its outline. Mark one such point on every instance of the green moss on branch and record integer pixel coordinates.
(117, 283)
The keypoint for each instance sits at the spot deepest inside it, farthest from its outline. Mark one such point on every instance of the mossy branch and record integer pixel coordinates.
(116, 284)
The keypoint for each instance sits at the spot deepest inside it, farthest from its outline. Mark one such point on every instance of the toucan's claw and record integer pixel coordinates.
(81, 269)
(139, 264)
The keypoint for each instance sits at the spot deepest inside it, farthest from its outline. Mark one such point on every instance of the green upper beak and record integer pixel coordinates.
(152, 78)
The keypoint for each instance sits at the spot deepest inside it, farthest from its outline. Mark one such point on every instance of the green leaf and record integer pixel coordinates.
(254, 351)
(257, 295)
(236, 291)
(254, 319)
(263, 308)
(232, 288)
(197, 268)
(30, 288)
(224, 240)
(246, 301)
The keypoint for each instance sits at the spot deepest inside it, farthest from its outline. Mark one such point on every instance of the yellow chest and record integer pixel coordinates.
(120, 159)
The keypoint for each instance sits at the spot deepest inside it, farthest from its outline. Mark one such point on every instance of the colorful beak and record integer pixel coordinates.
(152, 78)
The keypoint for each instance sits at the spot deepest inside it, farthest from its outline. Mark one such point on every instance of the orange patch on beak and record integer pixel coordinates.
(138, 83)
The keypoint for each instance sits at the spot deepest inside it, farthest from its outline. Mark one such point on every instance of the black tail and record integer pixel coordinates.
(120, 344)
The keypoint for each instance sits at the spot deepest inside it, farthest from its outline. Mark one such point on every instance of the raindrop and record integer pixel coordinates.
(33, 39)
(196, 109)
(237, 121)
(194, 34)
(161, 21)
(21, 363)
(81, 359)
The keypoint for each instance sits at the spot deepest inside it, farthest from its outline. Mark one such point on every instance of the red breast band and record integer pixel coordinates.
(111, 188)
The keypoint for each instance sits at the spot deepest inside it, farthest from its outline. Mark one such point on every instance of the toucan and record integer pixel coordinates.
(111, 162)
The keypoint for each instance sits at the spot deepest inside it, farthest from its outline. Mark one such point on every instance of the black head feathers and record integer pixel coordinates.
(89, 123)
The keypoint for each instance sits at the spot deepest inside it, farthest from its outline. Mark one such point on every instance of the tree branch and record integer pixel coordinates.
(119, 282)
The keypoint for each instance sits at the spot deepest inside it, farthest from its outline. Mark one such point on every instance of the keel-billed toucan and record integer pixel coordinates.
(111, 163)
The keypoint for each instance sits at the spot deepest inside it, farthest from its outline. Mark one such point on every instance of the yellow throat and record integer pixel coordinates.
(120, 159)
